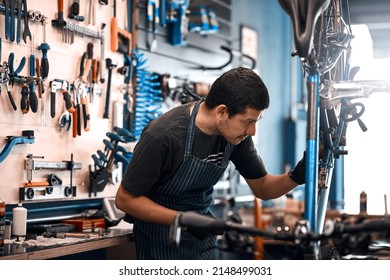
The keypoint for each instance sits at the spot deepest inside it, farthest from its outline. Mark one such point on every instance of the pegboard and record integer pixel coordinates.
(66, 49)
(51, 142)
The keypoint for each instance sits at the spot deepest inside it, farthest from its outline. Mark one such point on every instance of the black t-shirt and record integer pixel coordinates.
(160, 152)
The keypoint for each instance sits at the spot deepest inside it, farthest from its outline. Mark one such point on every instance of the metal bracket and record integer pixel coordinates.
(30, 164)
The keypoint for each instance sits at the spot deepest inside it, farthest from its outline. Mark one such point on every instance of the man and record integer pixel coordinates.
(182, 154)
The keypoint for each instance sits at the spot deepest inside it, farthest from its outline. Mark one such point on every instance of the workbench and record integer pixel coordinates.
(112, 238)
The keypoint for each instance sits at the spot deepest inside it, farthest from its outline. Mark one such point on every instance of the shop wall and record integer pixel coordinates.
(184, 62)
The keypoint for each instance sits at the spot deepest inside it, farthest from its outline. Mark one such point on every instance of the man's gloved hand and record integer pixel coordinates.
(298, 173)
(203, 234)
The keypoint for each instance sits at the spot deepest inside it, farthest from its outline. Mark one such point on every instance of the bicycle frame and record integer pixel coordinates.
(327, 59)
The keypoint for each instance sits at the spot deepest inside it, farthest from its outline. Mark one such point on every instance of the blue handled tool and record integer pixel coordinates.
(26, 138)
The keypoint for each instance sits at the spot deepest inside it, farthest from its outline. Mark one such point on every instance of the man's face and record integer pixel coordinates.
(240, 126)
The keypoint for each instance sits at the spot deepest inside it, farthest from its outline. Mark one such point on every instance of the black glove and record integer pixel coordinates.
(203, 234)
(298, 173)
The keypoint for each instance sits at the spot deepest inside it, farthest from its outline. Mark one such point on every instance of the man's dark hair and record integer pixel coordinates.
(239, 89)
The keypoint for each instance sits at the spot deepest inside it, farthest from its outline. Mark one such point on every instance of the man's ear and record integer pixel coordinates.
(222, 111)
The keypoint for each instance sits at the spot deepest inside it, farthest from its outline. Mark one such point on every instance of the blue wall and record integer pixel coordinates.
(274, 66)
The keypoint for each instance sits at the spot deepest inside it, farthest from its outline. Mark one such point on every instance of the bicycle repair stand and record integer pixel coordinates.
(52, 189)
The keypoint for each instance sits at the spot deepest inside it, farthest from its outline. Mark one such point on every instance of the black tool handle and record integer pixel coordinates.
(107, 104)
(11, 99)
(45, 66)
(82, 64)
(33, 96)
(33, 101)
(68, 102)
(78, 108)
(12, 26)
(24, 101)
(52, 104)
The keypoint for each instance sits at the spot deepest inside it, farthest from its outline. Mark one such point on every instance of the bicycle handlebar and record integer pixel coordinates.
(301, 233)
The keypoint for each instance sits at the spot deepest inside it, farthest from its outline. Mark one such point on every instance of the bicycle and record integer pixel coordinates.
(324, 47)
(322, 38)
(301, 236)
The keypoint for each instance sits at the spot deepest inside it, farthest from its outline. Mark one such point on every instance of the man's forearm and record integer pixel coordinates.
(271, 186)
(143, 208)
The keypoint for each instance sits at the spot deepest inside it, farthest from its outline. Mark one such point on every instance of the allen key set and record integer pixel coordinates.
(69, 29)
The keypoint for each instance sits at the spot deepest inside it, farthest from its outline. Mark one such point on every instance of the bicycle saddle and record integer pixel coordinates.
(304, 15)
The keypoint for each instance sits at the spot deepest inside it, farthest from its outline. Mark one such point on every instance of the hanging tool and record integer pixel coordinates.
(12, 26)
(102, 52)
(7, 18)
(110, 65)
(5, 78)
(26, 138)
(120, 38)
(27, 101)
(80, 86)
(54, 86)
(77, 118)
(13, 74)
(26, 31)
(69, 104)
(75, 11)
(32, 95)
(19, 21)
(66, 119)
(92, 12)
(75, 114)
(152, 19)
(68, 29)
(44, 47)
(95, 73)
(177, 22)
(40, 90)
(24, 101)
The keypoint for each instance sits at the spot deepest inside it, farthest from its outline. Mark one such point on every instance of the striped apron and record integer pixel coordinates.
(190, 189)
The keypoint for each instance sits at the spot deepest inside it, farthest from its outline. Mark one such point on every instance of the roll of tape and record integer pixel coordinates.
(19, 221)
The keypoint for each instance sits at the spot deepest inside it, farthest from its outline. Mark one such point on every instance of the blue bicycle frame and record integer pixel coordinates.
(323, 46)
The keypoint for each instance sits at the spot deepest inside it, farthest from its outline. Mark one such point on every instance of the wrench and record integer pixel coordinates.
(26, 31)
(19, 21)
(6, 4)
(12, 27)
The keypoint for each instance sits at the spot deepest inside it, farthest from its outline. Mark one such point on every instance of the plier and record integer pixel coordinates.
(12, 74)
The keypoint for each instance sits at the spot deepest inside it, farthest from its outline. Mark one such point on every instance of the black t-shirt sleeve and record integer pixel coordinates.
(247, 161)
(145, 167)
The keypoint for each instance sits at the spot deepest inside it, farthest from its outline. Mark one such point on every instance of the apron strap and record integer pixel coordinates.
(191, 130)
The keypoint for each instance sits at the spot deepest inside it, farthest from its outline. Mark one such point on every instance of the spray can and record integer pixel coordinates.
(2, 223)
(19, 221)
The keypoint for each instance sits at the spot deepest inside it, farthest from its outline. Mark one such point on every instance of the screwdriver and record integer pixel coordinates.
(44, 47)
(24, 102)
(33, 96)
